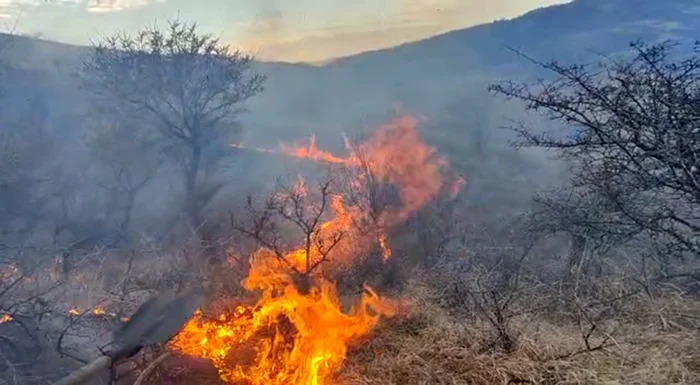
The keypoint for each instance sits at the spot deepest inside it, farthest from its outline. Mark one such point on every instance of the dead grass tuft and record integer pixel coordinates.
(432, 347)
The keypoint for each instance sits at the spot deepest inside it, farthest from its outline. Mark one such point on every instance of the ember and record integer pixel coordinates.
(98, 311)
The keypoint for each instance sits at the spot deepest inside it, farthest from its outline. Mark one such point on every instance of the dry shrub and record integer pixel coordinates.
(656, 339)
(62, 317)
(657, 344)
(432, 347)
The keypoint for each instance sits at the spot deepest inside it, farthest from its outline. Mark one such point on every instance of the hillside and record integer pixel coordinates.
(442, 78)
(561, 31)
(426, 76)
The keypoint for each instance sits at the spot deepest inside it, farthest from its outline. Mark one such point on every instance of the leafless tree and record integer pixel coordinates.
(25, 308)
(190, 86)
(131, 158)
(491, 286)
(306, 210)
(632, 139)
(584, 217)
(372, 196)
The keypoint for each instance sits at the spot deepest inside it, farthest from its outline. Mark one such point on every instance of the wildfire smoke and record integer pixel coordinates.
(301, 336)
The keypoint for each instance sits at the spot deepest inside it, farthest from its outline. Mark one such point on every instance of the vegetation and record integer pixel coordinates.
(595, 281)
(189, 88)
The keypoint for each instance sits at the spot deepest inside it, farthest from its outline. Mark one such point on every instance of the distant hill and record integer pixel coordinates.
(562, 31)
(428, 75)
(425, 76)
(443, 78)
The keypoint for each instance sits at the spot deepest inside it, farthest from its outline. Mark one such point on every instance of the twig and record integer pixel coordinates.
(151, 367)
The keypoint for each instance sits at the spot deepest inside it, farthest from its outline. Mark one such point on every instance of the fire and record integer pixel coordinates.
(386, 251)
(73, 312)
(310, 151)
(297, 332)
(297, 150)
(394, 155)
(99, 311)
(5, 318)
(288, 337)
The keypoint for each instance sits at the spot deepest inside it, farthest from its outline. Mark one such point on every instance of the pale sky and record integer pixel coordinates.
(285, 30)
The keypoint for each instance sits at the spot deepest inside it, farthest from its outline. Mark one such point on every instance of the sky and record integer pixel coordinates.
(280, 30)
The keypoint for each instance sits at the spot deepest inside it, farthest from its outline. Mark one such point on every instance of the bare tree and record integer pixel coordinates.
(363, 189)
(131, 158)
(24, 309)
(190, 86)
(633, 140)
(491, 284)
(584, 217)
(306, 211)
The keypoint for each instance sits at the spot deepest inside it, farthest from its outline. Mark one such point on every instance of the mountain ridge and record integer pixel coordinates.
(423, 76)
(538, 32)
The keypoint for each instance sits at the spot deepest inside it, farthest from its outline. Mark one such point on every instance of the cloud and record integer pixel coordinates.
(268, 25)
(324, 45)
(268, 20)
(408, 20)
(101, 6)
(15, 8)
(10, 8)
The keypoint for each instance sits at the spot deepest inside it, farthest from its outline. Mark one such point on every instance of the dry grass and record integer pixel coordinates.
(656, 341)
(431, 347)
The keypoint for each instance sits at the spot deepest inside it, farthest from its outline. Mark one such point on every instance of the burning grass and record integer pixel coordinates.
(297, 332)
(288, 324)
(427, 346)
(287, 337)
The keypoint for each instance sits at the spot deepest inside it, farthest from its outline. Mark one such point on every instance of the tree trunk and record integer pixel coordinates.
(576, 255)
(191, 198)
(128, 209)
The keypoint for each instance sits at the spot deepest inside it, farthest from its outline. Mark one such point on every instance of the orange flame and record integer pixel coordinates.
(394, 155)
(310, 151)
(5, 318)
(298, 150)
(288, 337)
(73, 312)
(386, 251)
(298, 334)
(99, 311)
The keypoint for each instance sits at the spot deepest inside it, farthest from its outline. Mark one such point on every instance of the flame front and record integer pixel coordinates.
(288, 337)
(299, 334)
(310, 151)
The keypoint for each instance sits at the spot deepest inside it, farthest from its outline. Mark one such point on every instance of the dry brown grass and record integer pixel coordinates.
(656, 341)
(431, 347)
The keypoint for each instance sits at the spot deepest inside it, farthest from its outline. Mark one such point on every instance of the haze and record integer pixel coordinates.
(277, 30)
(395, 192)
